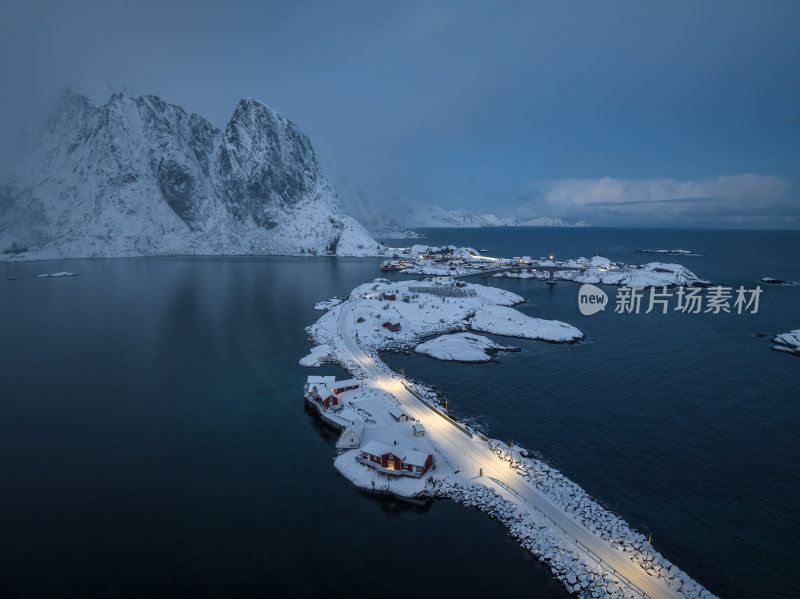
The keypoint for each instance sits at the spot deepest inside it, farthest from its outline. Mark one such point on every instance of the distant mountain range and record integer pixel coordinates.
(139, 176)
(408, 214)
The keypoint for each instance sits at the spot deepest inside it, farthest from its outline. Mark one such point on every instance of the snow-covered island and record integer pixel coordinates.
(397, 438)
(774, 281)
(501, 320)
(670, 252)
(465, 261)
(462, 347)
(57, 274)
(788, 342)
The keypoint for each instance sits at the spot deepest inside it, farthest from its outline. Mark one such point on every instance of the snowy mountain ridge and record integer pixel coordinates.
(139, 176)
(408, 214)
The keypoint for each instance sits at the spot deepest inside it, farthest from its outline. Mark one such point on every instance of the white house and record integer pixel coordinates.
(351, 436)
(419, 430)
(325, 397)
(318, 380)
(399, 415)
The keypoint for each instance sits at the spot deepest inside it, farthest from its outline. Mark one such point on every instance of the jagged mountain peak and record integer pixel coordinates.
(258, 127)
(139, 175)
(69, 99)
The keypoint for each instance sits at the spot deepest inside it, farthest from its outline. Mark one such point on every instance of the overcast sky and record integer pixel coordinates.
(639, 113)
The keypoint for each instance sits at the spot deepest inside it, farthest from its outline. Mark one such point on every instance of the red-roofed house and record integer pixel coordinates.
(394, 459)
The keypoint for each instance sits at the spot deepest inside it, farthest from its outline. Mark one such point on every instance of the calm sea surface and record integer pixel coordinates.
(153, 440)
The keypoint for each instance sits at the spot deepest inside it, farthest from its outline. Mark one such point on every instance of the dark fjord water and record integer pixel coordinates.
(153, 441)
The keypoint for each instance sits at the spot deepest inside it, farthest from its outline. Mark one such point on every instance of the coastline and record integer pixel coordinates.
(580, 568)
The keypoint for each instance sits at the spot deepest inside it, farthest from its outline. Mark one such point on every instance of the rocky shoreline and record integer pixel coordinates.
(582, 572)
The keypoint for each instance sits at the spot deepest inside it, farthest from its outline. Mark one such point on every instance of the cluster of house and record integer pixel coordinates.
(392, 459)
(325, 390)
(396, 459)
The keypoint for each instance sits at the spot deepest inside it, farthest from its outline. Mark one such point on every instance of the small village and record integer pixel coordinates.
(388, 440)
(451, 262)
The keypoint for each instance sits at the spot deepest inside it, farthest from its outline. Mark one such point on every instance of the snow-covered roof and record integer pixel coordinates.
(356, 427)
(323, 391)
(397, 413)
(377, 448)
(320, 379)
(415, 458)
(345, 383)
(418, 426)
(352, 434)
(408, 456)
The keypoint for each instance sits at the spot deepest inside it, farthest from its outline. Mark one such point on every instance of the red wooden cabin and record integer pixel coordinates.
(393, 459)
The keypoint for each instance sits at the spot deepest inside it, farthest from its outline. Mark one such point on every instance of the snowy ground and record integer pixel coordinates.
(461, 347)
(788, 342)
(593, 553)
(425, 308)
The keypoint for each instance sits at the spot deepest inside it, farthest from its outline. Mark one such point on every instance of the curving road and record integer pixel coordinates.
(470, 455)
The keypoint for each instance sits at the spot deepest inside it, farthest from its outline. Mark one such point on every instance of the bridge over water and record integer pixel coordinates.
(520, 267)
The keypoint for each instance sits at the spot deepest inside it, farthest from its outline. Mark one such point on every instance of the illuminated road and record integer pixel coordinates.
(470, 454)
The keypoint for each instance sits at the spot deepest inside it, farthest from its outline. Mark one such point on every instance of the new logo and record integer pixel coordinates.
(591, 299)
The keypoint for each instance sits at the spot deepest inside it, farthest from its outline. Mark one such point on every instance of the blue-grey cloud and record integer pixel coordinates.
(454, 103)
(720, 201)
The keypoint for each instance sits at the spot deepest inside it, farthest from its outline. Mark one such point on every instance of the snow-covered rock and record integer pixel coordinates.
(57, 274)
(788, 342)
(461, 347)
(501, 320)
(139, 176)
(774, 281)
(318, 355)
(328, 304)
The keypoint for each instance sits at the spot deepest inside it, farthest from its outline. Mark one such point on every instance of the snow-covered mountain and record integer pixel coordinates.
(402, 213)
(139, 176)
